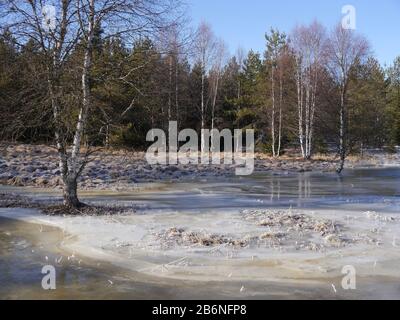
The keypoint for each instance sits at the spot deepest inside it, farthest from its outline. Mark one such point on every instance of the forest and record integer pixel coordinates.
(102, 74)
(290, 94)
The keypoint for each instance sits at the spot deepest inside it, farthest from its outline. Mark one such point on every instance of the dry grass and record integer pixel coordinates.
(179, 236)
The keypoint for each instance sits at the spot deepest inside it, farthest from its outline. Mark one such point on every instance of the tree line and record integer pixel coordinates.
(109, 71)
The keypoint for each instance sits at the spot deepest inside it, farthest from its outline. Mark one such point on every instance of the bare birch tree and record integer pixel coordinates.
(345, 50)
(71, 22)
(175, 43)
(215, 78)
(240, 57)
(204, 51)
(309, 44)
(53, 28)
(276, 41)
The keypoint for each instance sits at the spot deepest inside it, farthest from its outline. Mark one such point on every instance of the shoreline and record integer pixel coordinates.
(36, 166)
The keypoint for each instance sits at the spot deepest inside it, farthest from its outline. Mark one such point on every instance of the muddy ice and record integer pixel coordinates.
(284, 246)
(263, 237)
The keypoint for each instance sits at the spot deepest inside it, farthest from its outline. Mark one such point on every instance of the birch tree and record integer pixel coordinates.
(204, 51)
(174, 43)
(309, 45)
(345, 49)
(128, 19)
(240, 56)
(58, 27)
(215, 78)
(276, 41)
(52, 26)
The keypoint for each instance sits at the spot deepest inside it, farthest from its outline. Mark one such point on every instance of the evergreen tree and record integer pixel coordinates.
(393, 102)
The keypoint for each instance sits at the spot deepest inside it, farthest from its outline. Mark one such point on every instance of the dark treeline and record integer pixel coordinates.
(289, 95)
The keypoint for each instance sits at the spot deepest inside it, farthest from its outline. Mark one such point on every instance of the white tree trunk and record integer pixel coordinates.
(214, 102)
(342, 133)
(307, 115)
(202, 112)
(280, 115)
(299, 83)
(177, 90)
(273, 112)
(75, 167)
(170, 88)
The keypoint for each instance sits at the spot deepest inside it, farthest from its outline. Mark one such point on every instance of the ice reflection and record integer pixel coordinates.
(372, 187)
(304, 187)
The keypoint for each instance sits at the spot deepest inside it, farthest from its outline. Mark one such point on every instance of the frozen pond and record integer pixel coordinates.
(372, 189)
(363, 203)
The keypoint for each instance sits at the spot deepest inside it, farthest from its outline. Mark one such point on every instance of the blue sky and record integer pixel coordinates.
(244, 23)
